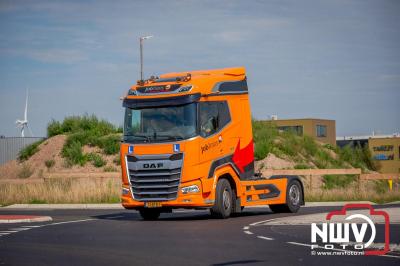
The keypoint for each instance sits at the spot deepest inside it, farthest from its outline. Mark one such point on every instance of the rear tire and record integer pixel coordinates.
(150, 214)
(223, 206)
(294, 198)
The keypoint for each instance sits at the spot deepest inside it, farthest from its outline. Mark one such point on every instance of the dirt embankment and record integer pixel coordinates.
(50, 151)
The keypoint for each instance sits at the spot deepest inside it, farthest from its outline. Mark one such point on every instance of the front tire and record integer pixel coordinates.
(223, 206)
(294, 198)
(150, 214)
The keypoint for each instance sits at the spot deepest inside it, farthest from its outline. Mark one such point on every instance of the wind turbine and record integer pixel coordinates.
(24, 123)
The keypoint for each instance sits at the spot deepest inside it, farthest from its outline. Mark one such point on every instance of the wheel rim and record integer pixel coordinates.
(226, 199)
(294, 195)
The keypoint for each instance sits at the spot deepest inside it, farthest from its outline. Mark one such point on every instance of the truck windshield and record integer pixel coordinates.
(160, 124)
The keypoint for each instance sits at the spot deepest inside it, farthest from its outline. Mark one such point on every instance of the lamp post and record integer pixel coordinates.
(141, 39)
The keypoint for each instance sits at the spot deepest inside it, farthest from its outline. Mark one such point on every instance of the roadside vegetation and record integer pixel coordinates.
(95, 143)
(67, 190)
(307, 153)
(29, 150)
(86, 130)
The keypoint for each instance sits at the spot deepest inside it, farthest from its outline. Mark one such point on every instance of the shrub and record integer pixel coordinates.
(110, 169)
(301, 166)
(25, 171)
(338, 181)
(73, 124)
(73, 153)
(264, 135)
(96, 159)
(54, 128)
(29, 150)
(50, 163)
(117, 160)
(110, 144)
(310, 146)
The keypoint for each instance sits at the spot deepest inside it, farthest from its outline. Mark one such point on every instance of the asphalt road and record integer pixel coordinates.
(115, 237)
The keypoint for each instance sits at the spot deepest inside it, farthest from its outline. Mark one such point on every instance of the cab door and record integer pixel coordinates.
(213, 118)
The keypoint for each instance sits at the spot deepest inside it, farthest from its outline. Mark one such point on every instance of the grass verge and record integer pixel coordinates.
(67, 190)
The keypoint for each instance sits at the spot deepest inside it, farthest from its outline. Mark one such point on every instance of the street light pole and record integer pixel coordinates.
(141, 39)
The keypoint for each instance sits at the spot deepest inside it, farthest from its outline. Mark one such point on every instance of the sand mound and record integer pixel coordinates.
(273, 162)
(51, 149)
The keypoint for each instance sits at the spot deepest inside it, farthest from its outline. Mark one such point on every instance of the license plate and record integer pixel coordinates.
(152, 204)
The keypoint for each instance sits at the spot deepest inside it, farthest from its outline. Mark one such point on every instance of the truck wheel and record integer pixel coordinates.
(223, 200)
(294, 197)
(150, 214)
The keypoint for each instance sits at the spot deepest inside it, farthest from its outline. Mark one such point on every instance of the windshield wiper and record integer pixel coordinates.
(168, 137)
(146, 137)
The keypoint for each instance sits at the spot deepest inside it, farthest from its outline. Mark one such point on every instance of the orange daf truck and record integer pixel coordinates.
(188, 143)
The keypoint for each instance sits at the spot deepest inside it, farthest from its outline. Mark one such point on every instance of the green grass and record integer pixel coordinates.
(304, 150)
(73, 153)
(29, 150)
(85, 130)
(25, 172)
(110, 169)
(338, 181)
(96, 159)
(306, 153)
(49, 163)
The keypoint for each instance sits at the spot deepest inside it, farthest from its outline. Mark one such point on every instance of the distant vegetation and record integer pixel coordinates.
(86, 130)
(29, 150)
(307, 153)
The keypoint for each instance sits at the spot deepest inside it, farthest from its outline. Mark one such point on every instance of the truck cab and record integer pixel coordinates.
(188, 143)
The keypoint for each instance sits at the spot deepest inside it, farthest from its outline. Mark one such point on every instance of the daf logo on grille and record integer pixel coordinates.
(153, 165)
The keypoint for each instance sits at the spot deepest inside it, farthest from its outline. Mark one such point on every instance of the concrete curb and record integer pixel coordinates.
(118, 206)
(32, 219)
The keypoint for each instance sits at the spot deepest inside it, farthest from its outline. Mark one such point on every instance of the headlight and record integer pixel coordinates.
(190, 189)
(185, 88)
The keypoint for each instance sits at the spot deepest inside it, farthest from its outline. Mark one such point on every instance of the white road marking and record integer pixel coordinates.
(20, 229)
(3, 234)
(266, 238)
(246, 228)
(67, 222)
(257, 223)
(248, 232)
(299, 244)
(32, 226)
(8, 231)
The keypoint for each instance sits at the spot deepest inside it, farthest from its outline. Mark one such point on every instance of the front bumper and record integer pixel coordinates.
(190, 200)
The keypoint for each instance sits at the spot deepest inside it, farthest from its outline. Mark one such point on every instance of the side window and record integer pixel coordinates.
(224, 115)
(213, 117)
(321, 131)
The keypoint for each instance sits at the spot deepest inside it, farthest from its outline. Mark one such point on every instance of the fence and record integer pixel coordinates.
(11, 146)
(320, 172)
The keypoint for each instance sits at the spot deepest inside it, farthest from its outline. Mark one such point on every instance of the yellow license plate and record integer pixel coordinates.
(152, 204)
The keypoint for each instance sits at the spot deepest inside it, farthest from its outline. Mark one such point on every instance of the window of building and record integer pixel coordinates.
(298, 130)
(321, 131)
(213, 117)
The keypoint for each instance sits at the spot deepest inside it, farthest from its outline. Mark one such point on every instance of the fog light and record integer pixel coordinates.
(190, 189)
(125, 191)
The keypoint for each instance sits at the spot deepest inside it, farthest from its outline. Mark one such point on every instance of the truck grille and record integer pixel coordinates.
(155, 177)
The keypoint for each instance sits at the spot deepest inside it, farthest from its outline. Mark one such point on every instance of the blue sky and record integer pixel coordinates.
(325, 59)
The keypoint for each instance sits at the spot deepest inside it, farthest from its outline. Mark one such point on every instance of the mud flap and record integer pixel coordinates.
(237, 207)
(289, 178)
